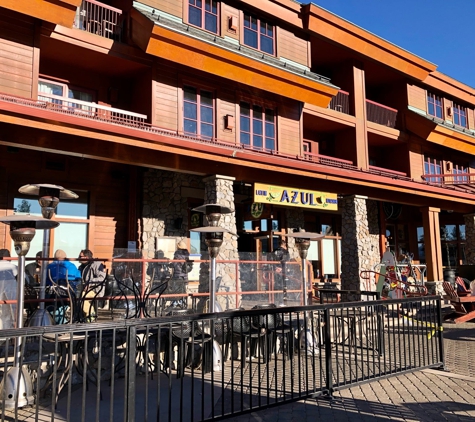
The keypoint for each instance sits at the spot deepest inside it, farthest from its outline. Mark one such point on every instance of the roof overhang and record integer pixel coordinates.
(432, 131)
(198, 54)
(59, 12)
(340, 31)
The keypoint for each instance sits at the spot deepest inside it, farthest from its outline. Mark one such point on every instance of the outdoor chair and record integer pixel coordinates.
(464, 305)
(462, 287)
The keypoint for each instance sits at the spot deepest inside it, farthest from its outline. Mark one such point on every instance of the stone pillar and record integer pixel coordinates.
(360, 241)
(219, 190)
(433, 248)
(469, 238)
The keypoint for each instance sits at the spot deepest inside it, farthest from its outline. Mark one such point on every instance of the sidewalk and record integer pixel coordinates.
(427, 395)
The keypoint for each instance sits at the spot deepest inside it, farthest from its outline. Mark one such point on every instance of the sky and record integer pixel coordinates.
(440, 31)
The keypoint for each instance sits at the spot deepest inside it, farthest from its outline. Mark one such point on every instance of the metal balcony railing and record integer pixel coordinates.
(100, 19)
(330, 161)
(90, 110)
(381, 114)
(341, 102)
(388, 173)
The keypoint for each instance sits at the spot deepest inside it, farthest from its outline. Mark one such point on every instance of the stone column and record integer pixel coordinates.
(219, 190)
(294, 218)
(360, 241)
(469, 238)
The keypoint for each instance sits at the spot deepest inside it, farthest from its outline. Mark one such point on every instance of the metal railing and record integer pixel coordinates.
(189, 366)
(329, 161)
(380, 171)
(341, 102)
(100, 19)
(379, 113)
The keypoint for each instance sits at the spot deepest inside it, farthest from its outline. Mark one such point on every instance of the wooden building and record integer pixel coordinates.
(149, 108)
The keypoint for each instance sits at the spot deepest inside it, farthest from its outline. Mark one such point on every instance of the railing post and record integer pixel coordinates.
(440, 333)
(130, 373)
(328, 352)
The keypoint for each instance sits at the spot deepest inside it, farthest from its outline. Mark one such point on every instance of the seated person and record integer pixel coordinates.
(8, 290)
(33, 271)
(62, 271)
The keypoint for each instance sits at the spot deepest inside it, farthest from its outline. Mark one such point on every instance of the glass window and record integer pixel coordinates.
(460, 171)
(198, 112)
(258, 34)
(432, 166)
(421, 245)
(460, 115)
(257, 127)
(204, 14)
(71, 236)
(434, 104)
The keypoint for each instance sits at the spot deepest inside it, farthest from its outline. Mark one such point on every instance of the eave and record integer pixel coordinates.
(59, 12)
(198, 54)
(432, 131)
(340, 31)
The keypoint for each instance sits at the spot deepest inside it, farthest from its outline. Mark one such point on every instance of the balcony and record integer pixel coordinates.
(100, 19)
(341, 102)
(388, 173)
(329, 161)
(464, 182)
(381, 114)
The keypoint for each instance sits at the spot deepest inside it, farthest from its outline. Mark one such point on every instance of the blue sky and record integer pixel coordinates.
(440, 31)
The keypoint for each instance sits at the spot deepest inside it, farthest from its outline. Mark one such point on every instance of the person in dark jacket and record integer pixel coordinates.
(280, 254)
(181, 267)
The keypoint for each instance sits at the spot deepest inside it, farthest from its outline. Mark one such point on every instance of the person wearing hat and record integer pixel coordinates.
(181, 267)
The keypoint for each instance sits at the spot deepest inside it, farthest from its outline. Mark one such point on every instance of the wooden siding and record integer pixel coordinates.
(165, 98)
(227, 106)
(291, 47)
(16, 56)
(174, 7)
(417, 97)
(470, 118)
(226, 13)
(416, 162)
(446, 105)
(288, 127)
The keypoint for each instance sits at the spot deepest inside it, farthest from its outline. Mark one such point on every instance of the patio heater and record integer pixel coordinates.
(214, 240)
(302, 242)
(16, 386)
(49, 196)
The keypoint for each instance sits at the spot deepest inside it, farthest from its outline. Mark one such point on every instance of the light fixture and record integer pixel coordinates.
(49, 197)
(302, 242)
(16, 386)
(214, 239)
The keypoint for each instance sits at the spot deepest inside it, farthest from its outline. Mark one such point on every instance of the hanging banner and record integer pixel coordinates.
(293, 197)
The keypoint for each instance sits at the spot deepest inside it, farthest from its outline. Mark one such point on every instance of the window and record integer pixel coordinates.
(56, 93)
(257, 126)
(434, 104)
(460, 171)
(307, 147)
(198, 112)
(204, 14)
(452, 237)
(460, 115)
(72, 233)
(433, 166)
(258, 34)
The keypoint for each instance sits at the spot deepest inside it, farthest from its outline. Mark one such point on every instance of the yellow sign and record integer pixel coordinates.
(294, 197)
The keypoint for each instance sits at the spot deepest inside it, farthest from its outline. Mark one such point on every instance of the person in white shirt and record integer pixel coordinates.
(8, 290)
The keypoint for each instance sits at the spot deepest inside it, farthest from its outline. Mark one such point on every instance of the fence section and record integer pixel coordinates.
(194, 367)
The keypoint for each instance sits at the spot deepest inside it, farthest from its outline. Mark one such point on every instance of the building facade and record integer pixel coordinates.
(150, 108)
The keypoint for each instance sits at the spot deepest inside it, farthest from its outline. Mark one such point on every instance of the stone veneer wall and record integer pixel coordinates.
(162, 204)
(219, 190)
(295, 219)
(360, 241)
(470, 238)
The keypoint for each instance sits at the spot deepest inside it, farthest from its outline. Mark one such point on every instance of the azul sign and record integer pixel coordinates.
(293, 197)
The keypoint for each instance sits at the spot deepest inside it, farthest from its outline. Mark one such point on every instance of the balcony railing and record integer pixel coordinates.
(341, 102)
(90, 110)
(99, 18)
(450, 178)
(329, 161)
(387, 172)
(381, 114)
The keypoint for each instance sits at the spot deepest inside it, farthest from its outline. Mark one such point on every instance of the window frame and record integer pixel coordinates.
(253, 121)
(458, 113)
(261, 24)
(204, 14)
(434, 101)
(198, 120)
(431, 164)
